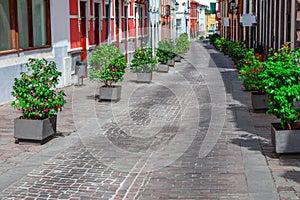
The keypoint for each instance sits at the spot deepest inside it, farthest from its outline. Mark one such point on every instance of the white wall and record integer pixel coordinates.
(60, 26)
(12, 64)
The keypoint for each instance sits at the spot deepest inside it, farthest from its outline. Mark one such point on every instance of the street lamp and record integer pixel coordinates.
(126, 2)
(176, 6)
(232, 5)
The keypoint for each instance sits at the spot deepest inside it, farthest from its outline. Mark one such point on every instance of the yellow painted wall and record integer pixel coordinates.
(209, 19)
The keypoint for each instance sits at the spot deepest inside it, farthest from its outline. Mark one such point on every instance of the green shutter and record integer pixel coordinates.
(212, 8)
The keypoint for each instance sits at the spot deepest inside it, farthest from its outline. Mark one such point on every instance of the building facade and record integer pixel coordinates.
(154, 23)
(65, 32)
(261, 24)
(183, 17)
(165, 20)
(194, 19)
(39, 30)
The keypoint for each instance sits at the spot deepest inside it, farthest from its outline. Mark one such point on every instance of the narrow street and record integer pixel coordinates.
(190, 134)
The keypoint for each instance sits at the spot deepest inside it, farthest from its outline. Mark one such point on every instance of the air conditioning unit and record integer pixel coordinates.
(126, 2)
(106, 2)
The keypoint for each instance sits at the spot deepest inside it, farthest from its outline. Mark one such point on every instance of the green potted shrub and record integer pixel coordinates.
(37, 98)
(182, 46)
(239, 54)
(222, 44)
(281, 78)
(143, 64)
(108, 65)
(213, 38)
(218, 43)
(165, 53)
(250, 72)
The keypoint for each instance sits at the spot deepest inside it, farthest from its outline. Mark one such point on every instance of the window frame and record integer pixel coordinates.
(14, 38)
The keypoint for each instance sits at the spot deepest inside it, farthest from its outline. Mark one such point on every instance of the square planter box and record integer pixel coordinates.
(111, 94)
(39, 130)
(285, 141)
(177, 59)
(171, 63)
(144, 77)
(163, 68)
(259, 101)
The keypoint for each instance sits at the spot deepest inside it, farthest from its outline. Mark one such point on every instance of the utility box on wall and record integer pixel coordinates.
(80, 71)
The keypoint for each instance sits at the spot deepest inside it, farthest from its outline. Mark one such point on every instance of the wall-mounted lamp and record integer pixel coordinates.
(126, 2)
(232, 6)
(176, 6)
(168, 10)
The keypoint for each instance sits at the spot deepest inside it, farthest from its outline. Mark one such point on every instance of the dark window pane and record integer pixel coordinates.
(39, 22)
(23, 23)
(4, 26)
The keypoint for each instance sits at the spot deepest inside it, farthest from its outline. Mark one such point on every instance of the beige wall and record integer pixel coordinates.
(210, 19)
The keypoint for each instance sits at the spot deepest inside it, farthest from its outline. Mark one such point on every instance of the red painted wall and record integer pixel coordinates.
(75, 37)
(74, 29)
(193, 18)
(123, 28)
(91, 33)
(103, 30)
(131, 27)
(73, 7)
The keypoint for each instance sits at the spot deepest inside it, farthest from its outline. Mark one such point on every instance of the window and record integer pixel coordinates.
(26, 24)
(4, 26)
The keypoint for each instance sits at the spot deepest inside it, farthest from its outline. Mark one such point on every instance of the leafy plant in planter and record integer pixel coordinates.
(35, 92)
(213, 38)
(250, 72)
(143, 64)
(143, 61)
(37, 98)
(222, 43)
(201, 37)
(281, 79)
(238, 51)
(108, 65)
(165, 51)
(182, 43)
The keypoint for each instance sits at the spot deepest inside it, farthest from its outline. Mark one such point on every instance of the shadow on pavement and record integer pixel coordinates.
(249, 138)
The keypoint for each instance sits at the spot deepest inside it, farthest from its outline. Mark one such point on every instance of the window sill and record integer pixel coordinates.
(14, 57)
(75, 50)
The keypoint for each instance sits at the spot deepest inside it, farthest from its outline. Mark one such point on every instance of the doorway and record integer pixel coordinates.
(83, 53)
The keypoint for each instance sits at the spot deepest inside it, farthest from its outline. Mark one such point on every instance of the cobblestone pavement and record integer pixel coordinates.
(190, 134)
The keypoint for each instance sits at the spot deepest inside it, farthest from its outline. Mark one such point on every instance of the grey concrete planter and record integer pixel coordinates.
(285, 141)
(111, 94)
(259, 101)
(144, 77)
(177, 59)
(163, 68)
(171, 63)
(39, 130)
